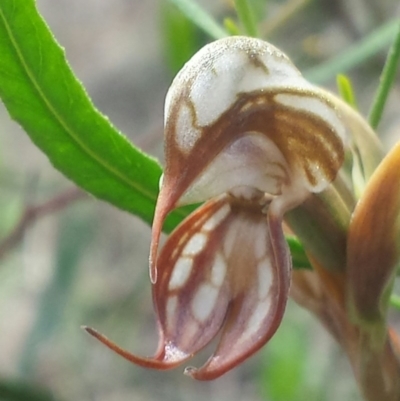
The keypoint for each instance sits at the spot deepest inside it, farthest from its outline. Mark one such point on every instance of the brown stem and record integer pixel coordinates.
(376, 367)
(34, 212)
(379, 370)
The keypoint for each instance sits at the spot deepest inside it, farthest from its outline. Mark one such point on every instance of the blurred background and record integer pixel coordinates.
(68, 259)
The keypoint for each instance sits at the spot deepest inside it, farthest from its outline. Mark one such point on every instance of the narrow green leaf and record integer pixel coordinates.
(247, 18)
(42, 94)
(395, 301)
(231, 27)
(179, 37)
(386, 81)
(200, 18)
(346, 90)
(355, 55)
(300, 259)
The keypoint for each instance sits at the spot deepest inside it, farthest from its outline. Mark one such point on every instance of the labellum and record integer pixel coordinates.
(249, 136)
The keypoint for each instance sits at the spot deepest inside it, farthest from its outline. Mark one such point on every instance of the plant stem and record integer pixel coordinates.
(386, 81)
(33, 213)
(246, 16)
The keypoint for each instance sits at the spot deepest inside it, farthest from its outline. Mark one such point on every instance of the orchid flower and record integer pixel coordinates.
(247, 135)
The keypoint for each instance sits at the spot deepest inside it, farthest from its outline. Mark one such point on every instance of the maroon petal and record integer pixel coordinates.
(191, 294)
(168, 357)
(225, 268)
(257, 309)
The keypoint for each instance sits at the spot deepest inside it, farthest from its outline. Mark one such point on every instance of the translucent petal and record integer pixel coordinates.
(191, 294)
(257, 308)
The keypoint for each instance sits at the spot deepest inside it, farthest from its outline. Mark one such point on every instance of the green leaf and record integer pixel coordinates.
(346, 90)
(246, 15)
(42, 94)
(386, 81)
(354, 55)
(231, 26)
(200, 18)
(395, 301)
(300, 259)
(179, 37)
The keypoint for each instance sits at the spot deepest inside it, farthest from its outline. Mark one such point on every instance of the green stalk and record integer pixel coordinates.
(386, 81)
(247, 18)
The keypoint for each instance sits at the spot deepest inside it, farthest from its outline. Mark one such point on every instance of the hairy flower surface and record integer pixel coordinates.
(249, 136)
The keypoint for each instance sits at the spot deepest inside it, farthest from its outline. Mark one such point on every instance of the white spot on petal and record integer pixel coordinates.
(229, 239)
(265, 278)
(186, 135)
(314, 106)
(218, 270)
(204, 302)
(172, 353)
(260, 243)
(319, 175)
(190, 331)
(216, 218)
(195, 245)
(257, 318)
(180, 273)
(220, 79)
